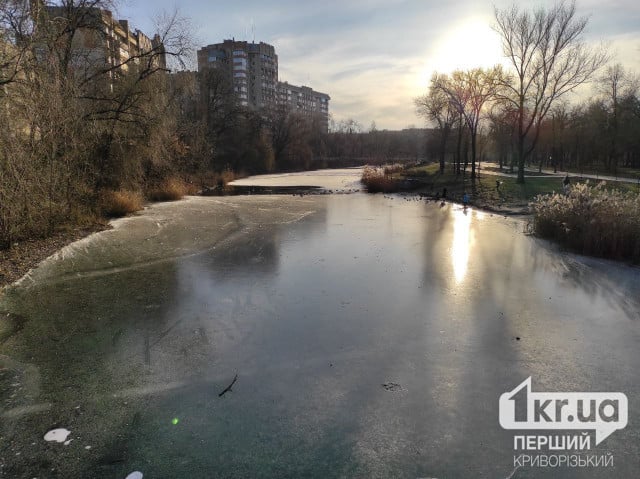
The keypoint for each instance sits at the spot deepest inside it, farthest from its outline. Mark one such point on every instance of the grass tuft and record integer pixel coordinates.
(171, 189)
(119, 203)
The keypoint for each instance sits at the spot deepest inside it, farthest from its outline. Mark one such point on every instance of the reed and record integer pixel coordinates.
(591, 220)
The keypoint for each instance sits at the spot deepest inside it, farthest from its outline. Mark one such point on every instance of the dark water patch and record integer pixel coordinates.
(230, 190)
(237, 190)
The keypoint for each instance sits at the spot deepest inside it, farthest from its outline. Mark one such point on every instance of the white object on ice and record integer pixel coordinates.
(57, 435)
(134, 475)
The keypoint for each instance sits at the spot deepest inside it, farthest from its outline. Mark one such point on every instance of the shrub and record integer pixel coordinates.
(391, 169)
(171, 189)
(226, 177)
(120, 203)
(191, 188)
(210, 179)
(591, 220)
(376, 181)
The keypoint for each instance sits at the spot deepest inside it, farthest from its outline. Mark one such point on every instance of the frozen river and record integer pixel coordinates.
(371, 337)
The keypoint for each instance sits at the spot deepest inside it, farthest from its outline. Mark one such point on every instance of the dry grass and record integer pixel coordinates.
(591, 220)
(376, 180)
(191, 188)
(227, 176)
(120, 203)
(390, 170)
(171, 189)
(221, 179)
(209, 179)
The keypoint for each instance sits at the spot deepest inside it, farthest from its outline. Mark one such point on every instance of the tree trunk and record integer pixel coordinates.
(443, 148)
(521, 136)
(520, 179)
(459, 151)
(473, 156)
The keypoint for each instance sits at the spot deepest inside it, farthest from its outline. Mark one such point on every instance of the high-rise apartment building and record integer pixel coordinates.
(304, 100)
(252, 68)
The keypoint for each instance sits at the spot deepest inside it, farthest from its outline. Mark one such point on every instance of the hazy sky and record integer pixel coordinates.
(374, 56)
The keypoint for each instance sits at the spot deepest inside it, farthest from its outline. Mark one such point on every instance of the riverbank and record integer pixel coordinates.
(585, 216)
(491, 191)
(23, 256)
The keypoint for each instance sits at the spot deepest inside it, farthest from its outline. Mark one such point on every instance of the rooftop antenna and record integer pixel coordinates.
(253, 30)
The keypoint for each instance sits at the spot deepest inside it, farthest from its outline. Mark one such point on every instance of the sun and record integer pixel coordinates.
(469, 44)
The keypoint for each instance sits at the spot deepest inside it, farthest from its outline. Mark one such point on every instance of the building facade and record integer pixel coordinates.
(305, 100)
(252, 68)
(101, 41)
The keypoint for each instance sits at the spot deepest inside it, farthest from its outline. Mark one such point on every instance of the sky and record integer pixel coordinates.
(373, 57)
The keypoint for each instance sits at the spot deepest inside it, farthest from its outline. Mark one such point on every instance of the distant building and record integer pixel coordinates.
(251, 67)
(305, 100)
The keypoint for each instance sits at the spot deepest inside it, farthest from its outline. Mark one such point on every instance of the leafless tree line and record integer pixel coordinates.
(221, 134)
(516, 107)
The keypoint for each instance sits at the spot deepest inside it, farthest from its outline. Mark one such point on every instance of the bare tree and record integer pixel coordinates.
(15, 27)
(468, 92)
(435, 107)
(290, 133)
(549, 59)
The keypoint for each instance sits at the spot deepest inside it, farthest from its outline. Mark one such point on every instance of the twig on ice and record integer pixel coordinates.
(228, 388)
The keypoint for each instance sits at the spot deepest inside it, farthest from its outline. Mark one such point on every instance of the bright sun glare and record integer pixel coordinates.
(470, 44)
(461, 245)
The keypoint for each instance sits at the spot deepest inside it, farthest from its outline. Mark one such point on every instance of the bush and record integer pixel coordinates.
(391, 169)
(377, 181)
(591, 220)
(171, 189)
(226, 177)
(120, 203)
(210, 179)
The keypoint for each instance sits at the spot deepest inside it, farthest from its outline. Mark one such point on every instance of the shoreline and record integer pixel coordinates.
(506, 210)
(24, 256)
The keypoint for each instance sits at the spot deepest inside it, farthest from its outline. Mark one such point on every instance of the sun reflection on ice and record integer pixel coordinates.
(461, 245)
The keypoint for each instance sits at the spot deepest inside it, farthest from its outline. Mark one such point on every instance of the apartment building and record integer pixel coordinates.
(304, 100)
(252, 68)
(101, 41)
